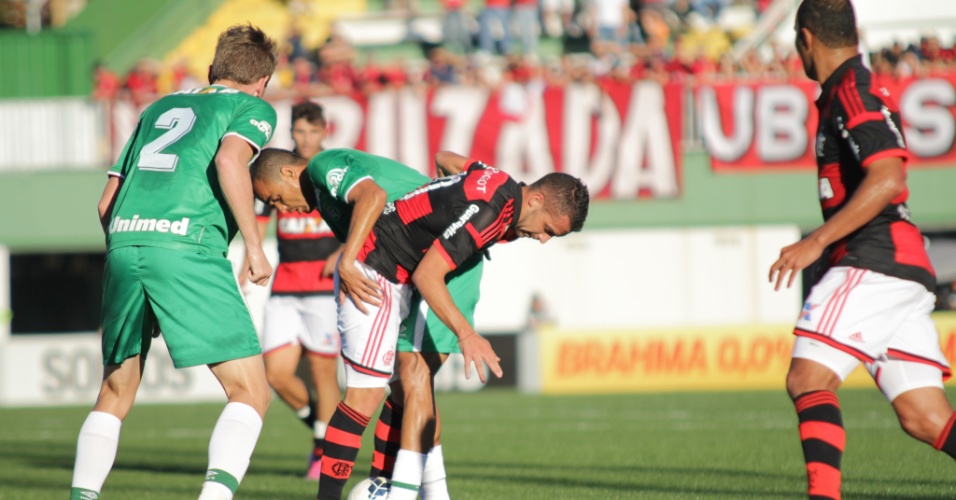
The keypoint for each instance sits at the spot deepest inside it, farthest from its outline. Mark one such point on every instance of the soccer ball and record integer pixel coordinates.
(370, 489)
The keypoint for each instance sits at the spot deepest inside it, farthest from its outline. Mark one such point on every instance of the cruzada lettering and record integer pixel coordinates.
(136, 224)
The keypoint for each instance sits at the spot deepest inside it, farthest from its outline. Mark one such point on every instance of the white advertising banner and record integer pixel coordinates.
(39, 370)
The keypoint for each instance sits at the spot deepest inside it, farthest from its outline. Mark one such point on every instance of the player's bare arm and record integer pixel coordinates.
(884, 181)
(232, 162)
(261, 224)
(105, 206)
(448, 163)
(368, 201)
(429, 278)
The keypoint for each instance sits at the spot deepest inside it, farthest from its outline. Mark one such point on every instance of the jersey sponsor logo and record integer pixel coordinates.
(452, 229)
(821, 141)
(136, 224)
(484, 186)
(849, 139)
(263, 127)
(334, 178)
(302, 225)
(892, 125)
(482, 181)
(826, 189)
(903, 211)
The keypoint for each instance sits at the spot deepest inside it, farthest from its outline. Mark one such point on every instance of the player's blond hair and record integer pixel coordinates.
(244, 54)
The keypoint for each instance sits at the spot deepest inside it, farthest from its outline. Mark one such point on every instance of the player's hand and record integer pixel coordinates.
(259, 269)
(477, 349)
(793, 259)
(357, 287)
(329, 268)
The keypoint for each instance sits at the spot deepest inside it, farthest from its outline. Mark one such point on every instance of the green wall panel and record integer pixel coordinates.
(57, 210)
(47, 64)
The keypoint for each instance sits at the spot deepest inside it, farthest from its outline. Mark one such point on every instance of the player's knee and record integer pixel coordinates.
(797, 384)
(805, 377)
(277, 379)
(920, 426)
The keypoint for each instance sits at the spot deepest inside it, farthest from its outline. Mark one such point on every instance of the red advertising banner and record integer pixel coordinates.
(622, 140)
(768, 126)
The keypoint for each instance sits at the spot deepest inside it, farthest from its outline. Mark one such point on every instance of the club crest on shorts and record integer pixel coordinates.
(388, 357)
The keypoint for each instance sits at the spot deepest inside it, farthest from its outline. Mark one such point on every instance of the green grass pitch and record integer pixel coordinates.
(501, 444)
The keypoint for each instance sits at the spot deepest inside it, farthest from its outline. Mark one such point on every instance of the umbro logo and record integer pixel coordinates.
(857, 337)
(263, 127)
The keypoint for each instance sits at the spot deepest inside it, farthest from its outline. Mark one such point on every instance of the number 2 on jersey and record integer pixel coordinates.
(178, 122)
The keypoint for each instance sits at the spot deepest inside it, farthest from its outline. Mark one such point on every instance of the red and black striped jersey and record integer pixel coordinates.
(860, 124)
(305, 242)
(459, 215)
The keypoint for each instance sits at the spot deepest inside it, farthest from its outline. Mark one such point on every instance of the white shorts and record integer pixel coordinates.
(856, 315)
(309, 321)
(369, 340)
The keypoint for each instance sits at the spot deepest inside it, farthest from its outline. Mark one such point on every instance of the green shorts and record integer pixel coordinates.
(422, 331)
(194, 298)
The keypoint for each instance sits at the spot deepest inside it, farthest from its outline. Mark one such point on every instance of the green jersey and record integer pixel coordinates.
(170, 195)
(334, 172)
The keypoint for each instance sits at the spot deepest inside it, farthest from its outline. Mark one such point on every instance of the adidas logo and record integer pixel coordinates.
(211, 475)
(857, 337)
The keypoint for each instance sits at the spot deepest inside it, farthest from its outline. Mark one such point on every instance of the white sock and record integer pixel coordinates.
(434, 486)
(230, 449)
(96, 450)
(319, 428)
(407, 477)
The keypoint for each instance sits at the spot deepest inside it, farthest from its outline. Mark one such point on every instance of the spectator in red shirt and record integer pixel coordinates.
(106, 84)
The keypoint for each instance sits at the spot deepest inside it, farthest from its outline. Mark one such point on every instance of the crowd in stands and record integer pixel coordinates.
(595, 41)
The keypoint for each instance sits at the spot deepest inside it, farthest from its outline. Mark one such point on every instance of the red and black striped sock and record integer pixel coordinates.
(946, 442)
(342, 442)
(388, 439)
(318, 448)
(823, 439)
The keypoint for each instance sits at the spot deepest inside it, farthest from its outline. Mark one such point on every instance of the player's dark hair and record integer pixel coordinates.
(833, 22)
(244, 54)
(312, 112)
(565, 195)
(270, 161)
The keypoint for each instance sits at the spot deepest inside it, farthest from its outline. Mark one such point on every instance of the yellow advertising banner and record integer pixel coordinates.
(691, 358)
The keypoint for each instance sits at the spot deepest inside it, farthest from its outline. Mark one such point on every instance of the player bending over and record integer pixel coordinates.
(419, 240)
